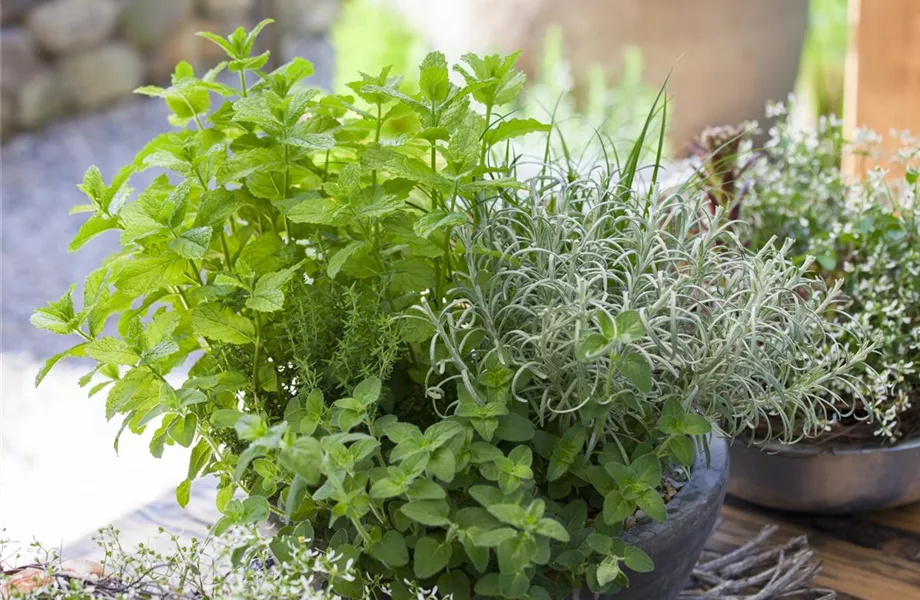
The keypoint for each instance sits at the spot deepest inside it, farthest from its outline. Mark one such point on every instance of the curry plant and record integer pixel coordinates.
(863, 232)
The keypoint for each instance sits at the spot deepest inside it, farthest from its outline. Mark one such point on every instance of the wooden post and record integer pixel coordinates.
(883, 73)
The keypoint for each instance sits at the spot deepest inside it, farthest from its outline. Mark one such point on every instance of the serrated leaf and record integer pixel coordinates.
(148, 274)
(199, 458)
(340, 257)
(136, 390)
(512, 128)
(222, 324)
(267, 296)
(617, 508)
(192, 244)
(112, 350)
(437, 220)
(434, 82)
(95, 225)
(78, 350)
(648, 470)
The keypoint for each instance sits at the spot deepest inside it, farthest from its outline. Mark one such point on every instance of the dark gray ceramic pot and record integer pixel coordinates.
(676, 544)
(805, 479)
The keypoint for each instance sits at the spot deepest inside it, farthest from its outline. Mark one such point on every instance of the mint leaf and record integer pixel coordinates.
(91, 228)
(339, 258)
(267, 296)
(192, 244)
(437, 220)
(148, 274)
(112, 350)
(78, 350)
(222, 324)
(512, 128)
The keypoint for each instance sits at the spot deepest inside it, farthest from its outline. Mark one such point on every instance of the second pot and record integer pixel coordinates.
(806, 479)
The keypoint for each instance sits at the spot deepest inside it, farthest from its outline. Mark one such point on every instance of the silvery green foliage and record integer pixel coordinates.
(608, 310)
(864, 231)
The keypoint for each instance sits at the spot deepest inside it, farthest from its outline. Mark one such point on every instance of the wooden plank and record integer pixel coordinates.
(882, 73)
(864, 530)
(906, 518)
(856, 571)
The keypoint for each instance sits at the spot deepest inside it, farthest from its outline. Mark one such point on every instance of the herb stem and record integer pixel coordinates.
(255, 357)
(243, 91)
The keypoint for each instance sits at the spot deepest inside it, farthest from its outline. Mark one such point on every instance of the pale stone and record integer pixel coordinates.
(306, 17)
(66, 26)
(104, 74)
(24, 581)
(185, 45)
(41, 99)
(148, 25)
(79, 567)
(18, 58)
(235, 12)
(11, 10)
(7, 115)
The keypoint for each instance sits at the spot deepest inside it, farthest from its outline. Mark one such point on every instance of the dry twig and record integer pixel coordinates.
(759, 570)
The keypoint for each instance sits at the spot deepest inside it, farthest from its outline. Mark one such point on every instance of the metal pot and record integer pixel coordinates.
(676, 544)
(806, 479)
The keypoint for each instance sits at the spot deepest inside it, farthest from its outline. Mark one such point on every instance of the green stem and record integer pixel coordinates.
(223, 243)
(485, 147)
(255, 357)
(362, 532)
(377, 136)
(243, 91)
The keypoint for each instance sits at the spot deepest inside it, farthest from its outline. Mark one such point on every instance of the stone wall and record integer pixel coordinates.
(61, 57)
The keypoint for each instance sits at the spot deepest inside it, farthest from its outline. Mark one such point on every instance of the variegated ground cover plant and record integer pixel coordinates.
(401, 351)
(864, 231)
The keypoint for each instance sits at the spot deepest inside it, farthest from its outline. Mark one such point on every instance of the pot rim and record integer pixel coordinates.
(805, 449)
(704, 476)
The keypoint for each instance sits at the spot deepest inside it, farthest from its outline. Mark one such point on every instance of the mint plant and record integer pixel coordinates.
(287, 230)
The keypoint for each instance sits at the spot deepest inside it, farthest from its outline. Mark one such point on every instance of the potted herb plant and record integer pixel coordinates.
(408, 355)
(864, 233)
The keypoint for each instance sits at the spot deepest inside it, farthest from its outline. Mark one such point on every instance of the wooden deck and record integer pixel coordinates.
(867, 557)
